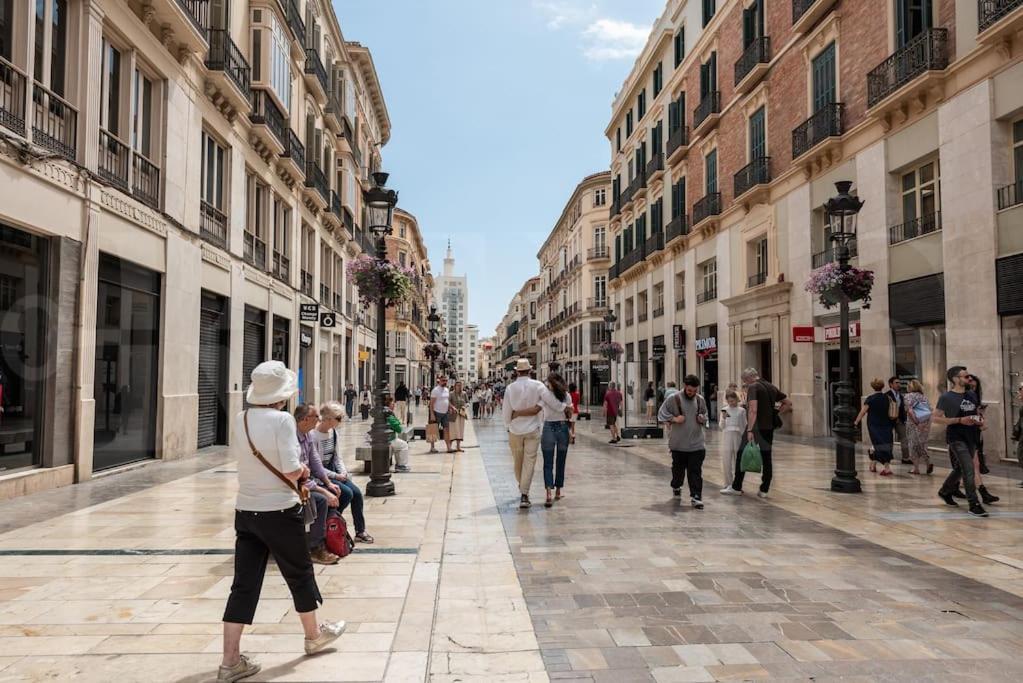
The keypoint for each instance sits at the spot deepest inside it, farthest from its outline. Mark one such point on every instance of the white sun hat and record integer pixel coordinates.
(272, 382)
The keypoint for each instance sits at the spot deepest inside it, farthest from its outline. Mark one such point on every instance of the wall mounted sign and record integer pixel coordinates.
(802, 334)
(309, 313)
(833, 332)
(678, 337)
(327, 319)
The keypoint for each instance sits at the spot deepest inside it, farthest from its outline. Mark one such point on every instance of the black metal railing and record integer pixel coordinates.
(597, 253)
(315, 178)
(295, 21)
(642, 316)
(711, 104)
(655, 165)
(924, 225)
(293, 148)
(830, 255)
(281, 267)
(212, 224)
(113, 160)
(335, 206)
(756, 172)
(254, 251)
(654, 243)
(680, 304)
(265, 112)
(198, 11)
(706, 295)
(614, 271)
(992, 11)
(595, 302)
(145, 180)
(306, 284)
(54, 122)
(225, 56)
(678, 138)
(634, 257)
(627, 194)
(826, 123)
(758, 52)
(348, 220)
(638, 183)
(927, 51)
(12, 97)
(677, 227)
(799, 8)
(658, 312)
(616, 207)
(706, 207)
(314, 66)
(756, 279)
(1010, 195)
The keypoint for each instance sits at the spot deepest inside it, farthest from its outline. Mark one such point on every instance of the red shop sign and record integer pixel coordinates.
(802, 333)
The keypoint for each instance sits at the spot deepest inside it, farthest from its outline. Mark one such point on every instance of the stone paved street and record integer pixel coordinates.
(126, 579)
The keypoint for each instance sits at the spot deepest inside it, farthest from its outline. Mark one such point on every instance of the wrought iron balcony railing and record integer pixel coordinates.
(658, 312)
(293, 148)
(335, 206)
(927, 51)
(706, 207)
(594, 253)
(655, 165)
(711, 104)
(145, 180)
(826, 123)
(254, 251)
(756, 172)
(989, 12)
(198, 11)
(225, 56)
(281, 267)
(54, 122)
(1010, 195)
(265, 112)
(680, 304)
(12, 97)
(314, 65)
(923, 225)
(654, 243)
(307, 283)
(212, 224)
(315, 178)
(830, 255)
(707, 295)
(113, 160)
(678, 138)
(295, 21)
(758, 52)
(677, 227)
(756, 279)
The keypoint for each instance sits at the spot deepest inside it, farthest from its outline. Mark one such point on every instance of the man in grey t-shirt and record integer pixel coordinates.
(685, 413)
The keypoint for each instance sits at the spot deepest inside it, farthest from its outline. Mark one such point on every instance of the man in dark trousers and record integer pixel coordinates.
(350, 395)
(764, 403)
(686, 414)
(894, 393)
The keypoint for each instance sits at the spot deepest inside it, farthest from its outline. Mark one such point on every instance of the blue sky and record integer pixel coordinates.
(498, 109)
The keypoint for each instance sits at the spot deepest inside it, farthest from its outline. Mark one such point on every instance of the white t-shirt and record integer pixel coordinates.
(553, 409)
(522, 394)
(276, 437)
(441, 398)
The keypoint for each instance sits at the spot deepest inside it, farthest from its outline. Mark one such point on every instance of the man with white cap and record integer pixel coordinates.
(269, 518)
(521, 411)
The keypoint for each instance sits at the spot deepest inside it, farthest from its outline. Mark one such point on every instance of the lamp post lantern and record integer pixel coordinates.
(609, 326)
(842, 211)
(554, 356)
(380, 203)
(434, 320)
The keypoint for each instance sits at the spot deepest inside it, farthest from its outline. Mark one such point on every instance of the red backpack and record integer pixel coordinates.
(339, 541)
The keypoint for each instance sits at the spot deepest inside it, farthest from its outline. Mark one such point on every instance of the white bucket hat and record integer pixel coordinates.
(272, 382)
(523, 365)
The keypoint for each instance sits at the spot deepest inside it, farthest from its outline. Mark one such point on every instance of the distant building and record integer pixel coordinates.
(451, 296)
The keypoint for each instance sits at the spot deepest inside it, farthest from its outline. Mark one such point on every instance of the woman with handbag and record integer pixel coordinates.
(329, 450)
(365, 403)
(456, 426)
(270, 518)
(918, 429)
(880, 426)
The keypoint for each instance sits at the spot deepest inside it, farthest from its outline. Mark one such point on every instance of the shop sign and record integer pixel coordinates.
(327, 319)
(833, 332)
(678, 337)
(659, 350)
(309, 313)
(363, 356)
(305, 339)
(802, 333)
(600, 367)
(707, 346)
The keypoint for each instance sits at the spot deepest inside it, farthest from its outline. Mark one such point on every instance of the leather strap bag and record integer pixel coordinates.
(308, 511)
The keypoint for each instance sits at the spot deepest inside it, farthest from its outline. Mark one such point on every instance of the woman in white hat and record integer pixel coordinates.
(268, 518)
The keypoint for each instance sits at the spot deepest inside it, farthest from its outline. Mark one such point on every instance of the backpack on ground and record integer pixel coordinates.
(339, 541)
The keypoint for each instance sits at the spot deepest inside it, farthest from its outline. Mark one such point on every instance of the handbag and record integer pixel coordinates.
(922, 411)
(893, 409)
(308, 511)
(432, 432)
(752, 460)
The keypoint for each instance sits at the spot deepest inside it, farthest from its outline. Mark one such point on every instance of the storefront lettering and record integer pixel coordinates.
(833, 332)
(707, 345)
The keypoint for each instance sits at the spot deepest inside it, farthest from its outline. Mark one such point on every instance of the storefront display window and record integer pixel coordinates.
(920, 355)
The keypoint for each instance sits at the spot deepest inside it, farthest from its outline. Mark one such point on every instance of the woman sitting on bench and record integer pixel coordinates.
(329, 444)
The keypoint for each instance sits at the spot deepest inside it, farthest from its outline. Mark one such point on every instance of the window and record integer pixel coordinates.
(281, 239)
(752, 23)
(678, 198)
(212, 174)
(920, 189)
(618, 139)
(757, 135)
(657, 138)
(52, 15)
(1017, 150)
(256, 208)
(710, 171)
(600, 290)
(657, 216)
(641, 105)
(658, 299)
(142, 114)
(680, 46)
(758, 256)
(402, 258)
(600, 237)
(280, 61)
(658, 79)
(110, 100)
(628, 124)
(677, 113)
(822, 71)
(6, 29)
(600, 197)
(709, 8)
(680, 291)
(912, 17)
(709, 76)
(709, 275)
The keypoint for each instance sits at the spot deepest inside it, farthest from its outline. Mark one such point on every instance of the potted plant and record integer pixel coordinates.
(611, 350)
(433, 350)
(379, 279)
(831, 283)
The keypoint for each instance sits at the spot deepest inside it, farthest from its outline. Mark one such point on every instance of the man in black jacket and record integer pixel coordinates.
(894, 393)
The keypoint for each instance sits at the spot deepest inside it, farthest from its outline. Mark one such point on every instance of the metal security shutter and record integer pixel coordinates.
(917, 302)
(211, 371)
(254, 350)
(1010, 284)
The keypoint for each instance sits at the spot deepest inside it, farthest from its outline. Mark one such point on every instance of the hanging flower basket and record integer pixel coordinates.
(377, 279)
(433, 350)
(611, 350)
(444, 365)
(831, 285)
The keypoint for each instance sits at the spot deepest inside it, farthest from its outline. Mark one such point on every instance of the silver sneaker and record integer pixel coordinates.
(329, 632)
(729, 491)
(243, 669)
(762, 494)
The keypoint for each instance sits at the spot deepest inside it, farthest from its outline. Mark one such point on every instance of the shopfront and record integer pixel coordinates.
(707, 355)
(1009, 272)
(127, 363)
(599, 378)
(306, 385)
(280, 343)
(833, 369)
(253, 343)
(214, 335)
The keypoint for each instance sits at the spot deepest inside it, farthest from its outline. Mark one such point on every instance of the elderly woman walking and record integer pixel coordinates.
(880, 426)
(918, 429)
(268, 519)
(457, 416)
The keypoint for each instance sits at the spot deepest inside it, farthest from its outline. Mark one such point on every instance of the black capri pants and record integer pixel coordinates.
(259, 535)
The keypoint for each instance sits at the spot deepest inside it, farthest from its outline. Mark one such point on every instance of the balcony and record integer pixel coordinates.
(598, 253)
(707, 113)
(677, 227)
(750, 183)
(254, 251)
(998, 19)
(54, 123)
(212, 224)
(281, 267)
(316, 75)
(616, 208)
(658, 312)
(806, 13)
(113, 160)
(145, 180)
(295, 22)
(912, 65)
(632, 259)
(655, 167)
(626, 197)
(186, 20)
(12, 97)
(680, 304)
(335, 208)
(614, 272)
(830, 255)
(293, 156)
(678, 143)
(317, 190)
(820, 133)
(596, 304)
(229, 71)
(269, 126)
(753, 64)
(654, 243)
(707, 295)
(706, 208)
(332, 115)
(755, 280)
(1010, 195)
(307, 284)
(348, 220)
(642, 316)
(638, 185)
(924, 225)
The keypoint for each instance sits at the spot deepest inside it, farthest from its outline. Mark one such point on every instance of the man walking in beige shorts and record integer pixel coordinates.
(521, 411)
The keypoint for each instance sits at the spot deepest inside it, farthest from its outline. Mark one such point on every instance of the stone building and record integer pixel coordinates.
(407, 326)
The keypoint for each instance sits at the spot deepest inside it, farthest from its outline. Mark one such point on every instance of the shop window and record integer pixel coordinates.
(919, 353)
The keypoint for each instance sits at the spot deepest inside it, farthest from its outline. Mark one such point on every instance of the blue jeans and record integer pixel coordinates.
(554, 446)
(351, 494)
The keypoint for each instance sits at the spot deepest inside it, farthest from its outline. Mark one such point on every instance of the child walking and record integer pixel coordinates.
(733, 426)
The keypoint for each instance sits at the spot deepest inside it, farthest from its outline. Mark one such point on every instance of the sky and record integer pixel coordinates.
(498, 109)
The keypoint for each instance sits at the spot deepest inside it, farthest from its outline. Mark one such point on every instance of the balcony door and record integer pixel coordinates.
(752, 23)
(220, 14)
(757, 135)
(912, 17)
(710, 165)
(709, 76)
(823, 75)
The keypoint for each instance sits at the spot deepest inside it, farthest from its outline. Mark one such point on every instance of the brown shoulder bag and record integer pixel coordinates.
(308, 511)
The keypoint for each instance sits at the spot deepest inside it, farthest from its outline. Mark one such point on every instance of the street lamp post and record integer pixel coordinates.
(609, 325)
(434, 321)
(842, 211)
(554, 356)
(380, 203)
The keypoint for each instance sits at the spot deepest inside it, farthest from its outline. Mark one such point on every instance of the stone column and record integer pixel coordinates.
(84, 394)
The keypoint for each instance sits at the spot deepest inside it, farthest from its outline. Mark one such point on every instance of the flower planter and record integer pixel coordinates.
(377, 279)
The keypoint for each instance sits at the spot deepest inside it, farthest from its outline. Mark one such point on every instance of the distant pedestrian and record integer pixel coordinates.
(401, 406)
(979, 466)
(687, 413)
(557, 415)
(573, 393)
(419, 396)
(650, 397)
(878, 408)
(1017, 429)
(477, 400)
(439, 410)
(958, 411)
(612, 408)
(521, 411)
(365, 402)
(894, 394)
(764, 405)
(670, 389)
(399, 447)
(733, 426)
(918, 427)
(457, 415)
(350, 395)
(268, 519)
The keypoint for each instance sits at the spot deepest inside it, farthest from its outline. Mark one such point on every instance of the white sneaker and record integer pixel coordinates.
(729, 491)
(329, 632)
(761, 494)
(697, 503)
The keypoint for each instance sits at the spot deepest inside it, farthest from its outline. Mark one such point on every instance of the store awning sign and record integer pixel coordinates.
(802, 334)
(706, 346)
(833, 332)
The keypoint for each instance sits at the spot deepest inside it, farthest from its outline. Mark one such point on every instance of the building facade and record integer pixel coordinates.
(574, 263)
(407, 326)
(919, 104)
(472, 341)
(451, 294)
(181, 191)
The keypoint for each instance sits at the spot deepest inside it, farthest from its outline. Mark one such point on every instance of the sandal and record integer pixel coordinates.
(363, 537)
(558, 495)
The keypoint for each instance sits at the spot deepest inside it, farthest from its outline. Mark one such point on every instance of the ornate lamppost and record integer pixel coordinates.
(434, 321)
(842, 211)
(553, 366)
(609, 326)
(380, 203)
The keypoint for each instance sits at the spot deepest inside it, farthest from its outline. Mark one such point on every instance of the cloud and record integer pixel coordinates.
(562, 13)
(607, 39)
